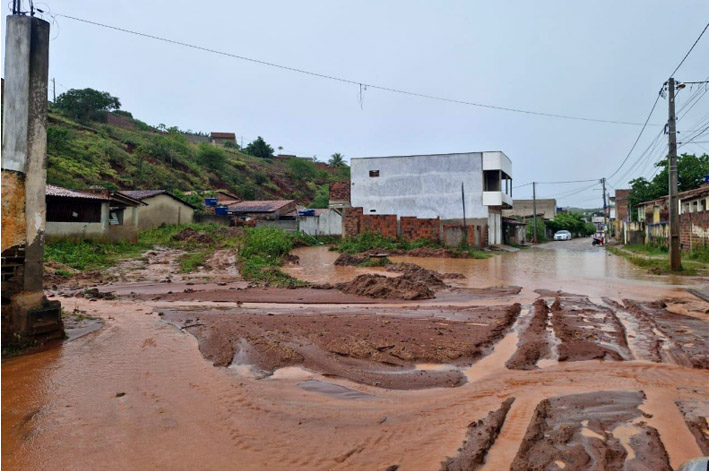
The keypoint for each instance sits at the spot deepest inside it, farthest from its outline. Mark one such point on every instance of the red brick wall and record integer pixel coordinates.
(352, 222)
(420, 228)
(694, 230)
(340, 191)
(379, 224)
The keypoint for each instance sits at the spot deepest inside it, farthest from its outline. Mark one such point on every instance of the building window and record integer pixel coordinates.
(374, 173)
(372, 211)
(73, 210)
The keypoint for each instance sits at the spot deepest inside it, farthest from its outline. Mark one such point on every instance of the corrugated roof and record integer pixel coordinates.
(56, 191)
(259, 206)
(216, 134)
(141, 194)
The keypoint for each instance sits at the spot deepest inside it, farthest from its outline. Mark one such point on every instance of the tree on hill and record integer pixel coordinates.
(337, 160)
(691, 170)
(87, 103)
(211, 156)
(259, 148)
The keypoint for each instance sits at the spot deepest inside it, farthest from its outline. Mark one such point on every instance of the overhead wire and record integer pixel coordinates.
(358, 83)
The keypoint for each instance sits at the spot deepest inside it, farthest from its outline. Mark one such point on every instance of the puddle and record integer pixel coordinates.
(332, 390)
(435, 367)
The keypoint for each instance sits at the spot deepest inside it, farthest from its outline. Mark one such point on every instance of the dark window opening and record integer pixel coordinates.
(73, 210)
(374, 173)
(372, 211)
(116, 216)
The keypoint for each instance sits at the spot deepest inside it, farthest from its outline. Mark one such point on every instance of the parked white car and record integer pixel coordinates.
(562, 235)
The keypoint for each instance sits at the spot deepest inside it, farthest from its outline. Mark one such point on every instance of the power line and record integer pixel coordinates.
(690, 50)
(350, 81)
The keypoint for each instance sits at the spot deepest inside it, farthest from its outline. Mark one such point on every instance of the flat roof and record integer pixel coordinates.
(444, 154)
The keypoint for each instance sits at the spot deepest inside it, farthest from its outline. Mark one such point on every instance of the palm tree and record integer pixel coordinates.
(337, 160)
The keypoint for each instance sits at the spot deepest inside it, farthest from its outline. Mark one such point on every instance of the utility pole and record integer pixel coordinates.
(465, 223)
(54, 90)
(534, 210)
(675, 258)
(605, 205)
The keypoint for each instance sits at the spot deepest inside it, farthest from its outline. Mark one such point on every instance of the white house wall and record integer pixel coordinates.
(421, 186)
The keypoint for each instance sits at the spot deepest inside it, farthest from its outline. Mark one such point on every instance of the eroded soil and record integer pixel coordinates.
(366, 347)
(591, 431)
(607, 366)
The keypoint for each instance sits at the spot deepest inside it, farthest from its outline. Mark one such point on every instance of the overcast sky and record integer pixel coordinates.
(600, 59)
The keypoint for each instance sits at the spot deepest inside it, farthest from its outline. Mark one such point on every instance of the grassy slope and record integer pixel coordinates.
(83, 155)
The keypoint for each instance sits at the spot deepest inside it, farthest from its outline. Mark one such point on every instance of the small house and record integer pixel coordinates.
(162, 208)
(221, 139)
(263, 210)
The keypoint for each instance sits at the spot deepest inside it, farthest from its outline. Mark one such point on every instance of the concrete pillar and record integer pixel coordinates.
(25, 310)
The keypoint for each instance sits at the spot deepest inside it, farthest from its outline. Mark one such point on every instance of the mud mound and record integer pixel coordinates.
(430, 252)
(479, 439)
(350, 259)
(190, 235)
(533, 343)
(379, 286)
(577, 432)
(419, 273)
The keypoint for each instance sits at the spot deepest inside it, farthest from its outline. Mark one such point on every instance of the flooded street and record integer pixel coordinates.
(274, 383)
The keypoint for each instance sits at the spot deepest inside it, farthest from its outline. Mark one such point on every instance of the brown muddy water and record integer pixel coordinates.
(138, 394)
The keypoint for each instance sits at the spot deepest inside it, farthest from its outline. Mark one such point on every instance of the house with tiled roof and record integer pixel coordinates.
(161, 208)
(263, 209)
(91, 214)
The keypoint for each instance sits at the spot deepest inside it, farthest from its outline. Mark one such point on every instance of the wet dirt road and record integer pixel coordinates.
(138, 394)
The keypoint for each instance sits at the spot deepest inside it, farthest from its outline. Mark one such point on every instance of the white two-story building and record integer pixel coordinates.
(430, 186)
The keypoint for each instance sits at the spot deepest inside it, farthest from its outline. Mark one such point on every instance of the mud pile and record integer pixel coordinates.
(416, 272)
(190, 235)
(587, 331)
(671, 337)
(533, 342)
(479, 439)
(591, 431)
(374, 349)
(695, 414)
(379, 286)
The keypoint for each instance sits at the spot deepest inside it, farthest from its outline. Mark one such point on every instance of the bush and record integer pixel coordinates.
(266, 242)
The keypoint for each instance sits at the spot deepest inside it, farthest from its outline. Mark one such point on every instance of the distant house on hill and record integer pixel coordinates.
(162, 208)
(91, 214)
(216, 137)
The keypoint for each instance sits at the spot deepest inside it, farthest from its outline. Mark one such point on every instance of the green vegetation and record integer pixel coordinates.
(691, 170)
(259, 148)
(656, 259)
(367, 242)
(84, 151)
(572, 222)
(337, 160)
(92, 255)
(322, 197)
(87, 103)
(375, 262)
(541, 230)
(261, 256)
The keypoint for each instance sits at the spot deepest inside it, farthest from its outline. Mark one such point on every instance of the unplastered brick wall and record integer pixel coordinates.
(379, 224)
(420, 228)
(352, 222)
(694, 230)
(340, 191)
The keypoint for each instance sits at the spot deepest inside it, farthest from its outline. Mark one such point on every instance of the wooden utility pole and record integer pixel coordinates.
(675, 258)
(54, 90)
(605, 206)
(534, 210)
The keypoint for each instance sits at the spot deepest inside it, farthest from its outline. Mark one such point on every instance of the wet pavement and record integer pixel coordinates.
(139, 394)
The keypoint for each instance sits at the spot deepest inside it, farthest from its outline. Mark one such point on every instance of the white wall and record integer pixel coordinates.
(421, 186)
(325, 224)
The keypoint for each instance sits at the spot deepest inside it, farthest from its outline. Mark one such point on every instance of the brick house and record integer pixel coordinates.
(218, 138)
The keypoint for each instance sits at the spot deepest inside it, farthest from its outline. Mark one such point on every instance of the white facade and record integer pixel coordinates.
(429, 186)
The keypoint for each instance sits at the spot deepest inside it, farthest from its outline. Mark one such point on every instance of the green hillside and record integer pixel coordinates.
(92, 153)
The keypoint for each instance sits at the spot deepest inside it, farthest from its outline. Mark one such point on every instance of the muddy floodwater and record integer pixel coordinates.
(607, 362)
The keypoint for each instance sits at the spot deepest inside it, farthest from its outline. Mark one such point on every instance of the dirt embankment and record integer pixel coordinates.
(417, 272)
(480, 437)
(534, 342)
(373, 349)
(587, 331)
(591, 431)
(695, 414)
